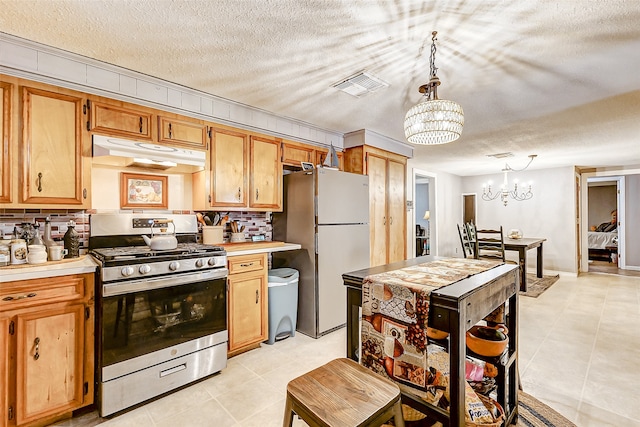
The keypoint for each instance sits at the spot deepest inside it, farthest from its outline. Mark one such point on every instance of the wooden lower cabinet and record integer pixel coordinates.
(47, 344)
(247, 302)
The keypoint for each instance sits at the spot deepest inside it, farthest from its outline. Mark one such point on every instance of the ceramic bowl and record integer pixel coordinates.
(37, 248)
(485, 347)
(436, 334)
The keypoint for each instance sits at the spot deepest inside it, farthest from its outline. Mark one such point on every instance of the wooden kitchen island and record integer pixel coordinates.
(454, 308)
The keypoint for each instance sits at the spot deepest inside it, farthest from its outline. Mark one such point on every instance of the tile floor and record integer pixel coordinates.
(579, 351)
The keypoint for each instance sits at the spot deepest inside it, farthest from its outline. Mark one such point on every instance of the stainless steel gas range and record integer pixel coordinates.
(161, 314)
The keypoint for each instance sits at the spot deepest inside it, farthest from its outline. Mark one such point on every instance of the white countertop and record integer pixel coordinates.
(84, 264)
(260, 250)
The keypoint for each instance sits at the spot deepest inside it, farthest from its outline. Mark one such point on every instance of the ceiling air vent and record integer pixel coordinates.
(500, 155)
(360, 84)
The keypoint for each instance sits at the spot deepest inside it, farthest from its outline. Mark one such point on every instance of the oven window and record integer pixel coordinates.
(143, 322)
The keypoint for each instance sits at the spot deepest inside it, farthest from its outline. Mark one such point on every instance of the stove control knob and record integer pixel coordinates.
(174, 265)
(200, 262)
(127, 271)
(212, 262)
(144, 269)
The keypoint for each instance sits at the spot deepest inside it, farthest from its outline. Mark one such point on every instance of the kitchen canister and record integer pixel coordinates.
(237, 237)
(212, 235)
(18, 251)
(5, 254)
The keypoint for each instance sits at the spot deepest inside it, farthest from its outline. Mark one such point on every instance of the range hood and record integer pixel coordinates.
(147, 153)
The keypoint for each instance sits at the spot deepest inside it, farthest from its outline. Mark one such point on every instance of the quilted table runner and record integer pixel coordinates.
(395, 308)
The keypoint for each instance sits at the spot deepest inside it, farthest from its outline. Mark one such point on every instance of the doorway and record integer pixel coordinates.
(424, 213)
(469, 208)
(605, 195)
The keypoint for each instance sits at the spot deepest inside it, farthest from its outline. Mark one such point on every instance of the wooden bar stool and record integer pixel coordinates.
(343, 394)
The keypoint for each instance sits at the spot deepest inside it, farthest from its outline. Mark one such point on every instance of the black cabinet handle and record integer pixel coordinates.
(37, 343)
(39, 182)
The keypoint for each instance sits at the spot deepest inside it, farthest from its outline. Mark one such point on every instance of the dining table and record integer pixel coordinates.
(522, 245)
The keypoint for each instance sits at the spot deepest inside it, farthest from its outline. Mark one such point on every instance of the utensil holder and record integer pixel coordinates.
(237, 237)
(212, 234)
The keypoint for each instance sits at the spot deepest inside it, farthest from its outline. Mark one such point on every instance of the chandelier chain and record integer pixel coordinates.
(432, 62)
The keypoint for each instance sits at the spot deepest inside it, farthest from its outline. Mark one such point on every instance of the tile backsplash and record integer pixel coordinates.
(10, 218)
(256, 223)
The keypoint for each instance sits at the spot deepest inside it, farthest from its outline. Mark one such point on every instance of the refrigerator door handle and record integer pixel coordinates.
(316, 243)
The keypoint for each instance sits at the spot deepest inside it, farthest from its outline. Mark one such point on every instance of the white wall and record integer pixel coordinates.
(632, 217)
(549, 214)
(602, 200)
(105, 188)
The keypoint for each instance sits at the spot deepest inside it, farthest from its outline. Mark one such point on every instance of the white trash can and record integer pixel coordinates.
(283, 303)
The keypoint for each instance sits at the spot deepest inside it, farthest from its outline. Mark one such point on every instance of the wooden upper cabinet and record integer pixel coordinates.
(182, 132)
(387, 195)
(51, 148)
(6, 90)
(377, 209)
(265, 189)
(118, 121)
(229, 166)
(396, 210)
(293, 154)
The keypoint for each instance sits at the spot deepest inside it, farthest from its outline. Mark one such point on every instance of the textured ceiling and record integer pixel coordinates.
(557, 78)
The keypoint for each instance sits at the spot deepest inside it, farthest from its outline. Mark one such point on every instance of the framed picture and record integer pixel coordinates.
(143, 191)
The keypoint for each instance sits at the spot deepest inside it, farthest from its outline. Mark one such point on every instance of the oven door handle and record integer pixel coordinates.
(120, 288)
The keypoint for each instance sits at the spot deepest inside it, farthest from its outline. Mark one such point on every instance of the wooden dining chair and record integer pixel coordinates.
(489, 244)
(465, 241)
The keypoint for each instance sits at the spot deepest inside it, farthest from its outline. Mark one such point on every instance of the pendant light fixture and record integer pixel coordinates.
(433, 120)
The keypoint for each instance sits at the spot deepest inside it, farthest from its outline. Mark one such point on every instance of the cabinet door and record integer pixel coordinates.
(120, 121)
(4, 369)
(265, 190)
(181, 132)
(396, 212)
(51, 148)
(247, 309)
(377, 171)
(49, 362)
(295, 154)
(228, 168)
(5, 132)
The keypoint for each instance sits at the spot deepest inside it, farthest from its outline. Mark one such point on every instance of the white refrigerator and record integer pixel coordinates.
(326, 211)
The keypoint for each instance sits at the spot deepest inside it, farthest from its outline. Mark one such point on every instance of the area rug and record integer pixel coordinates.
(531, 413)
(536, 286)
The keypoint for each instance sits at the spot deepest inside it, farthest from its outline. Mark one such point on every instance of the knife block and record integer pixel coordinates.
(212, 234)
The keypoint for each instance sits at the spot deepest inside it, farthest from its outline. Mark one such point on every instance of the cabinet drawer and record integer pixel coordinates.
(243, 263)
(26, 293)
